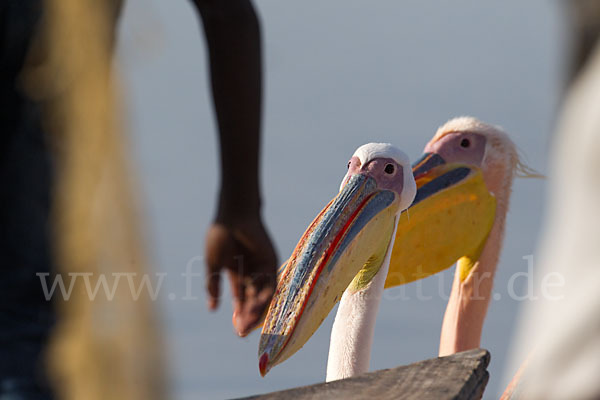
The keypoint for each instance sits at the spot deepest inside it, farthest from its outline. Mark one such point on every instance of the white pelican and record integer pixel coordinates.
(355, 229)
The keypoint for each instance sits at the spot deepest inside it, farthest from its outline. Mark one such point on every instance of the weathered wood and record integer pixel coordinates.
(460, 376)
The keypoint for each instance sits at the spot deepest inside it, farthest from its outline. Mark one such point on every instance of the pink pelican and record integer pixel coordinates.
(469, 141)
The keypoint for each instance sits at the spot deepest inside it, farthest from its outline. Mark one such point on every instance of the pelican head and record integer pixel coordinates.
(493, 161)
(467, 140)
(358, 224)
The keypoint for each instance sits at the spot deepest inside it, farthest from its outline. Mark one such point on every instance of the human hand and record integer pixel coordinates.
(244, 249)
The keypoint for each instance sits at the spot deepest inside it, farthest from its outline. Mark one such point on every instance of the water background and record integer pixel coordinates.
(338, 74)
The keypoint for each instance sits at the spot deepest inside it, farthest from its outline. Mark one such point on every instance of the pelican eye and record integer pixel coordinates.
(349, 162)
(465, 143)
(389, 169)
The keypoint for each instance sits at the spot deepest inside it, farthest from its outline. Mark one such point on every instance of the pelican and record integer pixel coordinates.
(451, 218)
(347, 249)
(470, 141)
(467, 140)
(353, 233)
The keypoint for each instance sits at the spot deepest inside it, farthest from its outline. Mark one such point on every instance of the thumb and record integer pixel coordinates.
(219, 247)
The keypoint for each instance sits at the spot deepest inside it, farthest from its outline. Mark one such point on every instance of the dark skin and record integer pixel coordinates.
(237, 240)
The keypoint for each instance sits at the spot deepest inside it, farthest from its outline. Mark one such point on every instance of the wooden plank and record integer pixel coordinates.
(460, 376)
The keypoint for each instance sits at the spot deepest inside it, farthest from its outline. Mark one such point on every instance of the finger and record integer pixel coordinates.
(238, 296)
(253, 308)
(236, 283)
(259, 288)
(217, 245)
(213, 281)
(213, 286)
